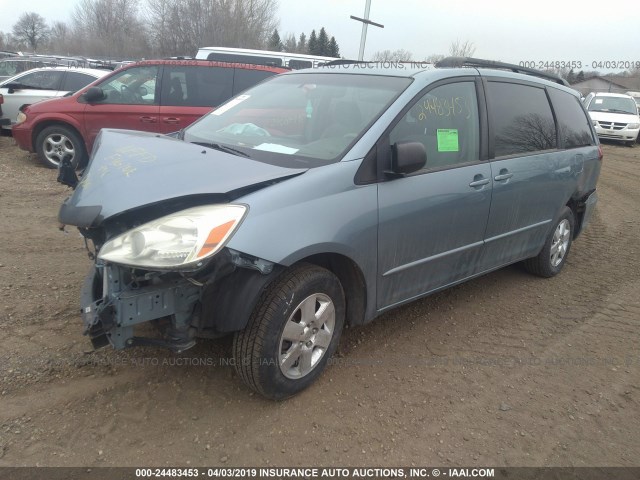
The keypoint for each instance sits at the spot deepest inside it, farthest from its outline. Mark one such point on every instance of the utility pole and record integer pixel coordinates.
(365, 23)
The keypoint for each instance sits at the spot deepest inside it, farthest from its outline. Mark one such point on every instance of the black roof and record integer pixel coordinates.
(451, 62)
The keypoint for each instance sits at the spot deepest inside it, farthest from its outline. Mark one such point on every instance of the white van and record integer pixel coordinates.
(295, 61)
(615, 116)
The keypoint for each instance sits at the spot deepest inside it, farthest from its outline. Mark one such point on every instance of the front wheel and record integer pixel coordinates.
(292, 333)
(553, 255)
(58, 142)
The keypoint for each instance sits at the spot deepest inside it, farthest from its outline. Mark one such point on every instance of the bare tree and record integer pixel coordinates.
(31, 30)
(290, 43)
(462, 49)
(180, 27)
(434, 58)
(110, 28)
(400, 55)
(61, 38)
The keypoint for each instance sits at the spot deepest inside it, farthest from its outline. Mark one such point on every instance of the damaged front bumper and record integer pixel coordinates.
(214, 302)
(114, 301)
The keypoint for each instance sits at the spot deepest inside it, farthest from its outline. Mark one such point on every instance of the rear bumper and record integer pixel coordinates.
(589, 206)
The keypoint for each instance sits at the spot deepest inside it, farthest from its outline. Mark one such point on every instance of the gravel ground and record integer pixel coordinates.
(508, 369)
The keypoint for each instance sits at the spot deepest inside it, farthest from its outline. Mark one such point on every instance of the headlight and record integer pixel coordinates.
(21, 118)
(633, 126)
(181, 240)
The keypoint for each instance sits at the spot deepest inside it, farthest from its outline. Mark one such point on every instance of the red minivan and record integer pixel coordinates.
(153, 95)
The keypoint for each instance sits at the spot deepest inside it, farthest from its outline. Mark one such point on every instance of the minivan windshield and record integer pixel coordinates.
(613, 105)
(298, 120)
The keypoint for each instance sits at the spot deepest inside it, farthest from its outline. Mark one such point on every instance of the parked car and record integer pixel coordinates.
(12, 66)
(158, 96)
(43, 83)
(5, 54)
(326, 197)
(615, 116)
(3, 121)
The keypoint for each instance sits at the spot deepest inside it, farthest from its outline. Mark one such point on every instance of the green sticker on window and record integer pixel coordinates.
(448, 140)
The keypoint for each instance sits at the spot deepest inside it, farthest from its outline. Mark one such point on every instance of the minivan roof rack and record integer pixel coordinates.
(450, 62)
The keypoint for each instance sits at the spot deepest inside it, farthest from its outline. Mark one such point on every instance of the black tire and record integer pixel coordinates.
(56, 142)
(259, 348)
(545, 264)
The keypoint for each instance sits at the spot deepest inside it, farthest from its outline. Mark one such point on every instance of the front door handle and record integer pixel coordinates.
(479, 181)
(145, 119)
(171, 120)
(503, 175)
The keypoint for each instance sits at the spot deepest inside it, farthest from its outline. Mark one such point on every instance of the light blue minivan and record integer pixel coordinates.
(324, 197)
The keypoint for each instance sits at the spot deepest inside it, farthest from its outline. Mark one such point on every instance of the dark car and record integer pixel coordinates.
(159, 96)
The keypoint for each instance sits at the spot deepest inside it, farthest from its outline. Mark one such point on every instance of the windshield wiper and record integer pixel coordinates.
(615, 110)
(222, 148)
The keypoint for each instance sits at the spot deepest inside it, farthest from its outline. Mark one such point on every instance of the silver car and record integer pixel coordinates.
(42, 83)
(325, 197)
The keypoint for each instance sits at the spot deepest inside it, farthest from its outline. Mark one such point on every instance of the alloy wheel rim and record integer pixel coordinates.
(58, 147)
(306, 336)
(560, 242)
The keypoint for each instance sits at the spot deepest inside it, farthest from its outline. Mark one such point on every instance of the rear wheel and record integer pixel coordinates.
(58, 142)
(554, 254)
(292, 333)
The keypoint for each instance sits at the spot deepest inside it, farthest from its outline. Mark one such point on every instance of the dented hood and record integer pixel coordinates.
(131, 169)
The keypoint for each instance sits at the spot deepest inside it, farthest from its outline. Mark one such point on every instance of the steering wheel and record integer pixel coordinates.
(129, 95)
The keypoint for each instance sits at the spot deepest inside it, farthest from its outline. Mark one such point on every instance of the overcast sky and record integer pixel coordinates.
(500, 30)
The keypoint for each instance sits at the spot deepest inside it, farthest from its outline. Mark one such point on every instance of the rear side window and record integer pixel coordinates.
(192, 86)
(41, 80)
(521, 119)
(573, 122)
(299, 64)
(74, 81)
(244, 79)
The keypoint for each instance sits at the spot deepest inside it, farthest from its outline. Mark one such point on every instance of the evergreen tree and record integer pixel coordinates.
(334, 50)
(571, 77)
(580, 76)
(302, 43)
(275, 43)
(323, 43)
(313, 43)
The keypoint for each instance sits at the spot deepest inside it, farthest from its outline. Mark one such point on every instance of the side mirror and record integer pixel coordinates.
(93, 94)
(407, 157)
(12, 87)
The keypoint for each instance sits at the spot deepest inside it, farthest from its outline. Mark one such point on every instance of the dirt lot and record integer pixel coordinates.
(506, 370)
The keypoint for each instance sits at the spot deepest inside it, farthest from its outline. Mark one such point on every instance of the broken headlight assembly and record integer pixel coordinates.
(180, 241)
